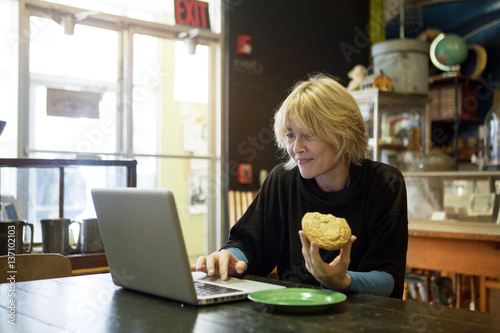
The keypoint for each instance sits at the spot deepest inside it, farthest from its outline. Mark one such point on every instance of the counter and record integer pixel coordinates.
(457, 248)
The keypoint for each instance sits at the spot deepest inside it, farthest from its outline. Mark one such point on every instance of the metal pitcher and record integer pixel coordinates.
(91, 236)
(12, 237)
(55, 235)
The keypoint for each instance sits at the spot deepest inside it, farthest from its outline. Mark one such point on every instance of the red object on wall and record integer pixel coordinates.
(245, 173)
(244, 45)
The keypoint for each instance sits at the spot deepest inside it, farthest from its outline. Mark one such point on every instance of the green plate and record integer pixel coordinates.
(297, 299)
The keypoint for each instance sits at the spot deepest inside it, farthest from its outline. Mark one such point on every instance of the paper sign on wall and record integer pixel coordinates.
(75, 104)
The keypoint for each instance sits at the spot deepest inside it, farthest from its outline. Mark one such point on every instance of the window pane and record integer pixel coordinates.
(170, 104)
(89, 54)
(8, 79)
(82, 135)
(191, 74)
(148, 76)
(189, 180)
(171, 93)
(86, 61)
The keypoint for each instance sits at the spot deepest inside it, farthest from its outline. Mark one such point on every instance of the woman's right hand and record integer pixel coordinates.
(332, 275)
(221, 263)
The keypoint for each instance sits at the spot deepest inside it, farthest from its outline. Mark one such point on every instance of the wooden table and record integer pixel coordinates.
(475, 254)
(92, 303)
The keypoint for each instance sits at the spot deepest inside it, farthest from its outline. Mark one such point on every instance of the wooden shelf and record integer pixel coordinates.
(88, 260)
(457, 236)
(451, 121)
(96, 270)
(442, 92)
(83, 263)
(450, 77)
(392, 147)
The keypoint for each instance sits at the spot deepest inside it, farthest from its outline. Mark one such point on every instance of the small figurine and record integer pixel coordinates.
(357, 74)
(382, 82)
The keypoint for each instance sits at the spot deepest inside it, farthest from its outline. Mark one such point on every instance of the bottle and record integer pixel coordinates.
(478, 150)
(492, 139)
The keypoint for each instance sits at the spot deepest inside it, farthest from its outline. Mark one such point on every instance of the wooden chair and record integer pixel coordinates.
(484, 285)
(467, 292)
(426, 287)
(34, 266)
(238, 202)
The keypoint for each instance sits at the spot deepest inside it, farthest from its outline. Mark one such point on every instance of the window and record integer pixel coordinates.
(153, 99)
(8, 76)
(85, 61)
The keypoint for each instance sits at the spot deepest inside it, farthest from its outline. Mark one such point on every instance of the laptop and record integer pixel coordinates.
(145, 249)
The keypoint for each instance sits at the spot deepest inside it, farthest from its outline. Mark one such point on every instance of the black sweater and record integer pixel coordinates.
(374, 205)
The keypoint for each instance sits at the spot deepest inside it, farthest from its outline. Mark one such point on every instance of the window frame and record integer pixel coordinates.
(126, 28)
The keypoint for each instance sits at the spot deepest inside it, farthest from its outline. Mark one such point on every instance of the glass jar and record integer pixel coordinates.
(492, 139)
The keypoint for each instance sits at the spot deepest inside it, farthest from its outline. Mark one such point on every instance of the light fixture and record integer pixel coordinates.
(68, 20)
(190, 40)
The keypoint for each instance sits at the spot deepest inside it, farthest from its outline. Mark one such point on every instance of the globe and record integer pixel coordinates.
(447, 51)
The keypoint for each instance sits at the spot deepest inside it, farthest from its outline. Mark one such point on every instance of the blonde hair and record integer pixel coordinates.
(324, 109)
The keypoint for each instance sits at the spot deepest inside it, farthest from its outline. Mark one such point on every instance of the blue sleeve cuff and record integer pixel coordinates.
(238, 254)
(374, 282)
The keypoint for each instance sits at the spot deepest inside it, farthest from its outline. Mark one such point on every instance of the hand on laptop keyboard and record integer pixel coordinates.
(222, 263)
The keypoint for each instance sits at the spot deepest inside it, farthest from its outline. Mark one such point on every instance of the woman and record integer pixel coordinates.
(321, 128)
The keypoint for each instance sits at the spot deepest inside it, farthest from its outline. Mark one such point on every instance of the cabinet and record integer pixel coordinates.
(459, 104)
(46, 188)
(467, 201)
(444, 89)
(49, 188)
(396, 123)
(454, 226)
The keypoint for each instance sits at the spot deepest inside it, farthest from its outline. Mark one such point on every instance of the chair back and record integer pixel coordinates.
(34, 266)
(238, 202)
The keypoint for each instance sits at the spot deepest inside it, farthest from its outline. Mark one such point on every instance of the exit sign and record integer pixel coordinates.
(192, 13)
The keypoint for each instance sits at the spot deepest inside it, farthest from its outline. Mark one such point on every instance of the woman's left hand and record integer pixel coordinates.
(332, 275)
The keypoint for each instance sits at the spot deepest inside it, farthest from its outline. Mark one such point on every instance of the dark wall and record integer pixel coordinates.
(290, 39)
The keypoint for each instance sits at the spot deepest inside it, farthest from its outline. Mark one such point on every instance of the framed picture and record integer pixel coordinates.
(198, 192)
(10, 211)
(481, 204)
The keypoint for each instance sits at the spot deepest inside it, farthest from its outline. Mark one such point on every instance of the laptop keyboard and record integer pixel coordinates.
(205, 289)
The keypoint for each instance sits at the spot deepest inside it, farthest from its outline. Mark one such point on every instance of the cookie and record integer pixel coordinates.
(329, 232)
